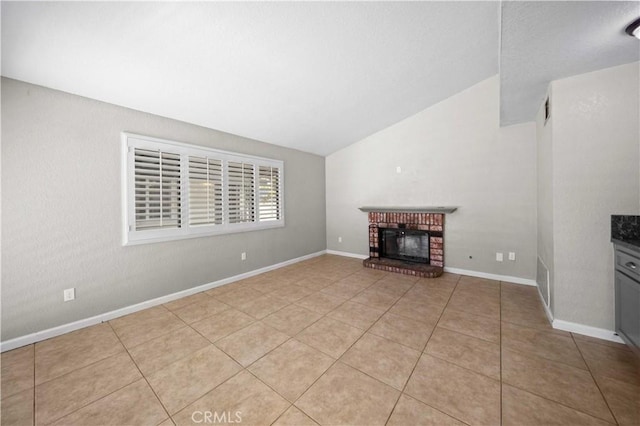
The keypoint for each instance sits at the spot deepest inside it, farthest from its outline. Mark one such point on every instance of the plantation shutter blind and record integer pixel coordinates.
(241, 192)
(205, 191)
(157, 190)
(269, 193)
(174, 190)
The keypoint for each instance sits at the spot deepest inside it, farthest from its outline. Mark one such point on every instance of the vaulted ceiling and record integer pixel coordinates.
(544, 41)
(313, 76)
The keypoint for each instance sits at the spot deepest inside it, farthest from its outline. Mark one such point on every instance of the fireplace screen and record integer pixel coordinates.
(404, 244)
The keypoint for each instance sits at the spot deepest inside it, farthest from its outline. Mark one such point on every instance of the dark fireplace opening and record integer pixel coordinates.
(404, 244)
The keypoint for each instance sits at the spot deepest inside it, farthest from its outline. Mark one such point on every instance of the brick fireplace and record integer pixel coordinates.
(427, 223)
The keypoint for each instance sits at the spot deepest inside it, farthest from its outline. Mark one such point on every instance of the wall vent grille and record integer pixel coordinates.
(542, 279)
(547, 110)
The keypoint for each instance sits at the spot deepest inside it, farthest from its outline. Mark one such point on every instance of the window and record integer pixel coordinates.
(205, 191)
(174, 190)
(157, 189)
(242, 192)
(269, 190)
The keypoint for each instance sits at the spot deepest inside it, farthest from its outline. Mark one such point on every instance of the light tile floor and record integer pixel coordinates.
(327, 341)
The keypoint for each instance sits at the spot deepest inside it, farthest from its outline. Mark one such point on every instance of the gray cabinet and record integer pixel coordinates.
(627, 285)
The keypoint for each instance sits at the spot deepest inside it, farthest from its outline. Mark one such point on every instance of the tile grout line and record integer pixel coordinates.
(539, 358)
(536, 357)
(402, 392)
(463, 334)
(486, 317)
(189, 325)
(258, 359)
(295, 302)
(440, 316)
(186, 325)
(501, 340)
(347, 350)
(96, 400)
(339, 359)
(293, 337)
(291, 303)
(126, 350)
(461, 367)
(290, 337)
(188, 304)
(466, 334)
(140, 371)
(78, 368)
(599, 342)
(209, 391)
(148, 340)
(34, 385)
(270, 387)
(325, 315)
(368, 306)
(594, 380)
(206, 315)
(558, 403)
(243, 368)
(282, 414)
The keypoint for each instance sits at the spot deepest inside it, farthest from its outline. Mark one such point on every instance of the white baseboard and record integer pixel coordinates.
(506, 278)
(587, 330)
(347, 254)
(107, 316)
(547, 310)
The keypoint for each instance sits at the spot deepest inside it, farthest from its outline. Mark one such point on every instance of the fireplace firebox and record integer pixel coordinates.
(407, 241)
(404, 244)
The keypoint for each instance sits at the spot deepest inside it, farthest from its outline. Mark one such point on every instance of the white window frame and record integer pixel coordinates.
(131, 236)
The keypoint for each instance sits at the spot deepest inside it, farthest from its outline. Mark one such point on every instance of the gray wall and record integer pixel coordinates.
(544, 136)
(596, 166)
(61, 224)
(453, 153)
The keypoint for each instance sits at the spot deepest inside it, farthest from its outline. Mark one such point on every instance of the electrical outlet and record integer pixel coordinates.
(243, 256)
(499, 257)
(512, 255)
(69, 294)
(398, 169)
(339, 239)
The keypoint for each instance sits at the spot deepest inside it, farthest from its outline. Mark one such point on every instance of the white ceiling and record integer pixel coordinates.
(306, 75)
(546, 41)
(311, 76)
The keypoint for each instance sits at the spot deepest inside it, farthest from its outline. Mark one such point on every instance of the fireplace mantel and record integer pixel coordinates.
(442, 210)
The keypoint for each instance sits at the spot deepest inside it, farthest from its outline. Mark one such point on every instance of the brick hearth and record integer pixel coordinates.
(431, 222)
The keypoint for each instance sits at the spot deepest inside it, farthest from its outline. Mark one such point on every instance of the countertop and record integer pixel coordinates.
(629, 244)
(625, 231)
